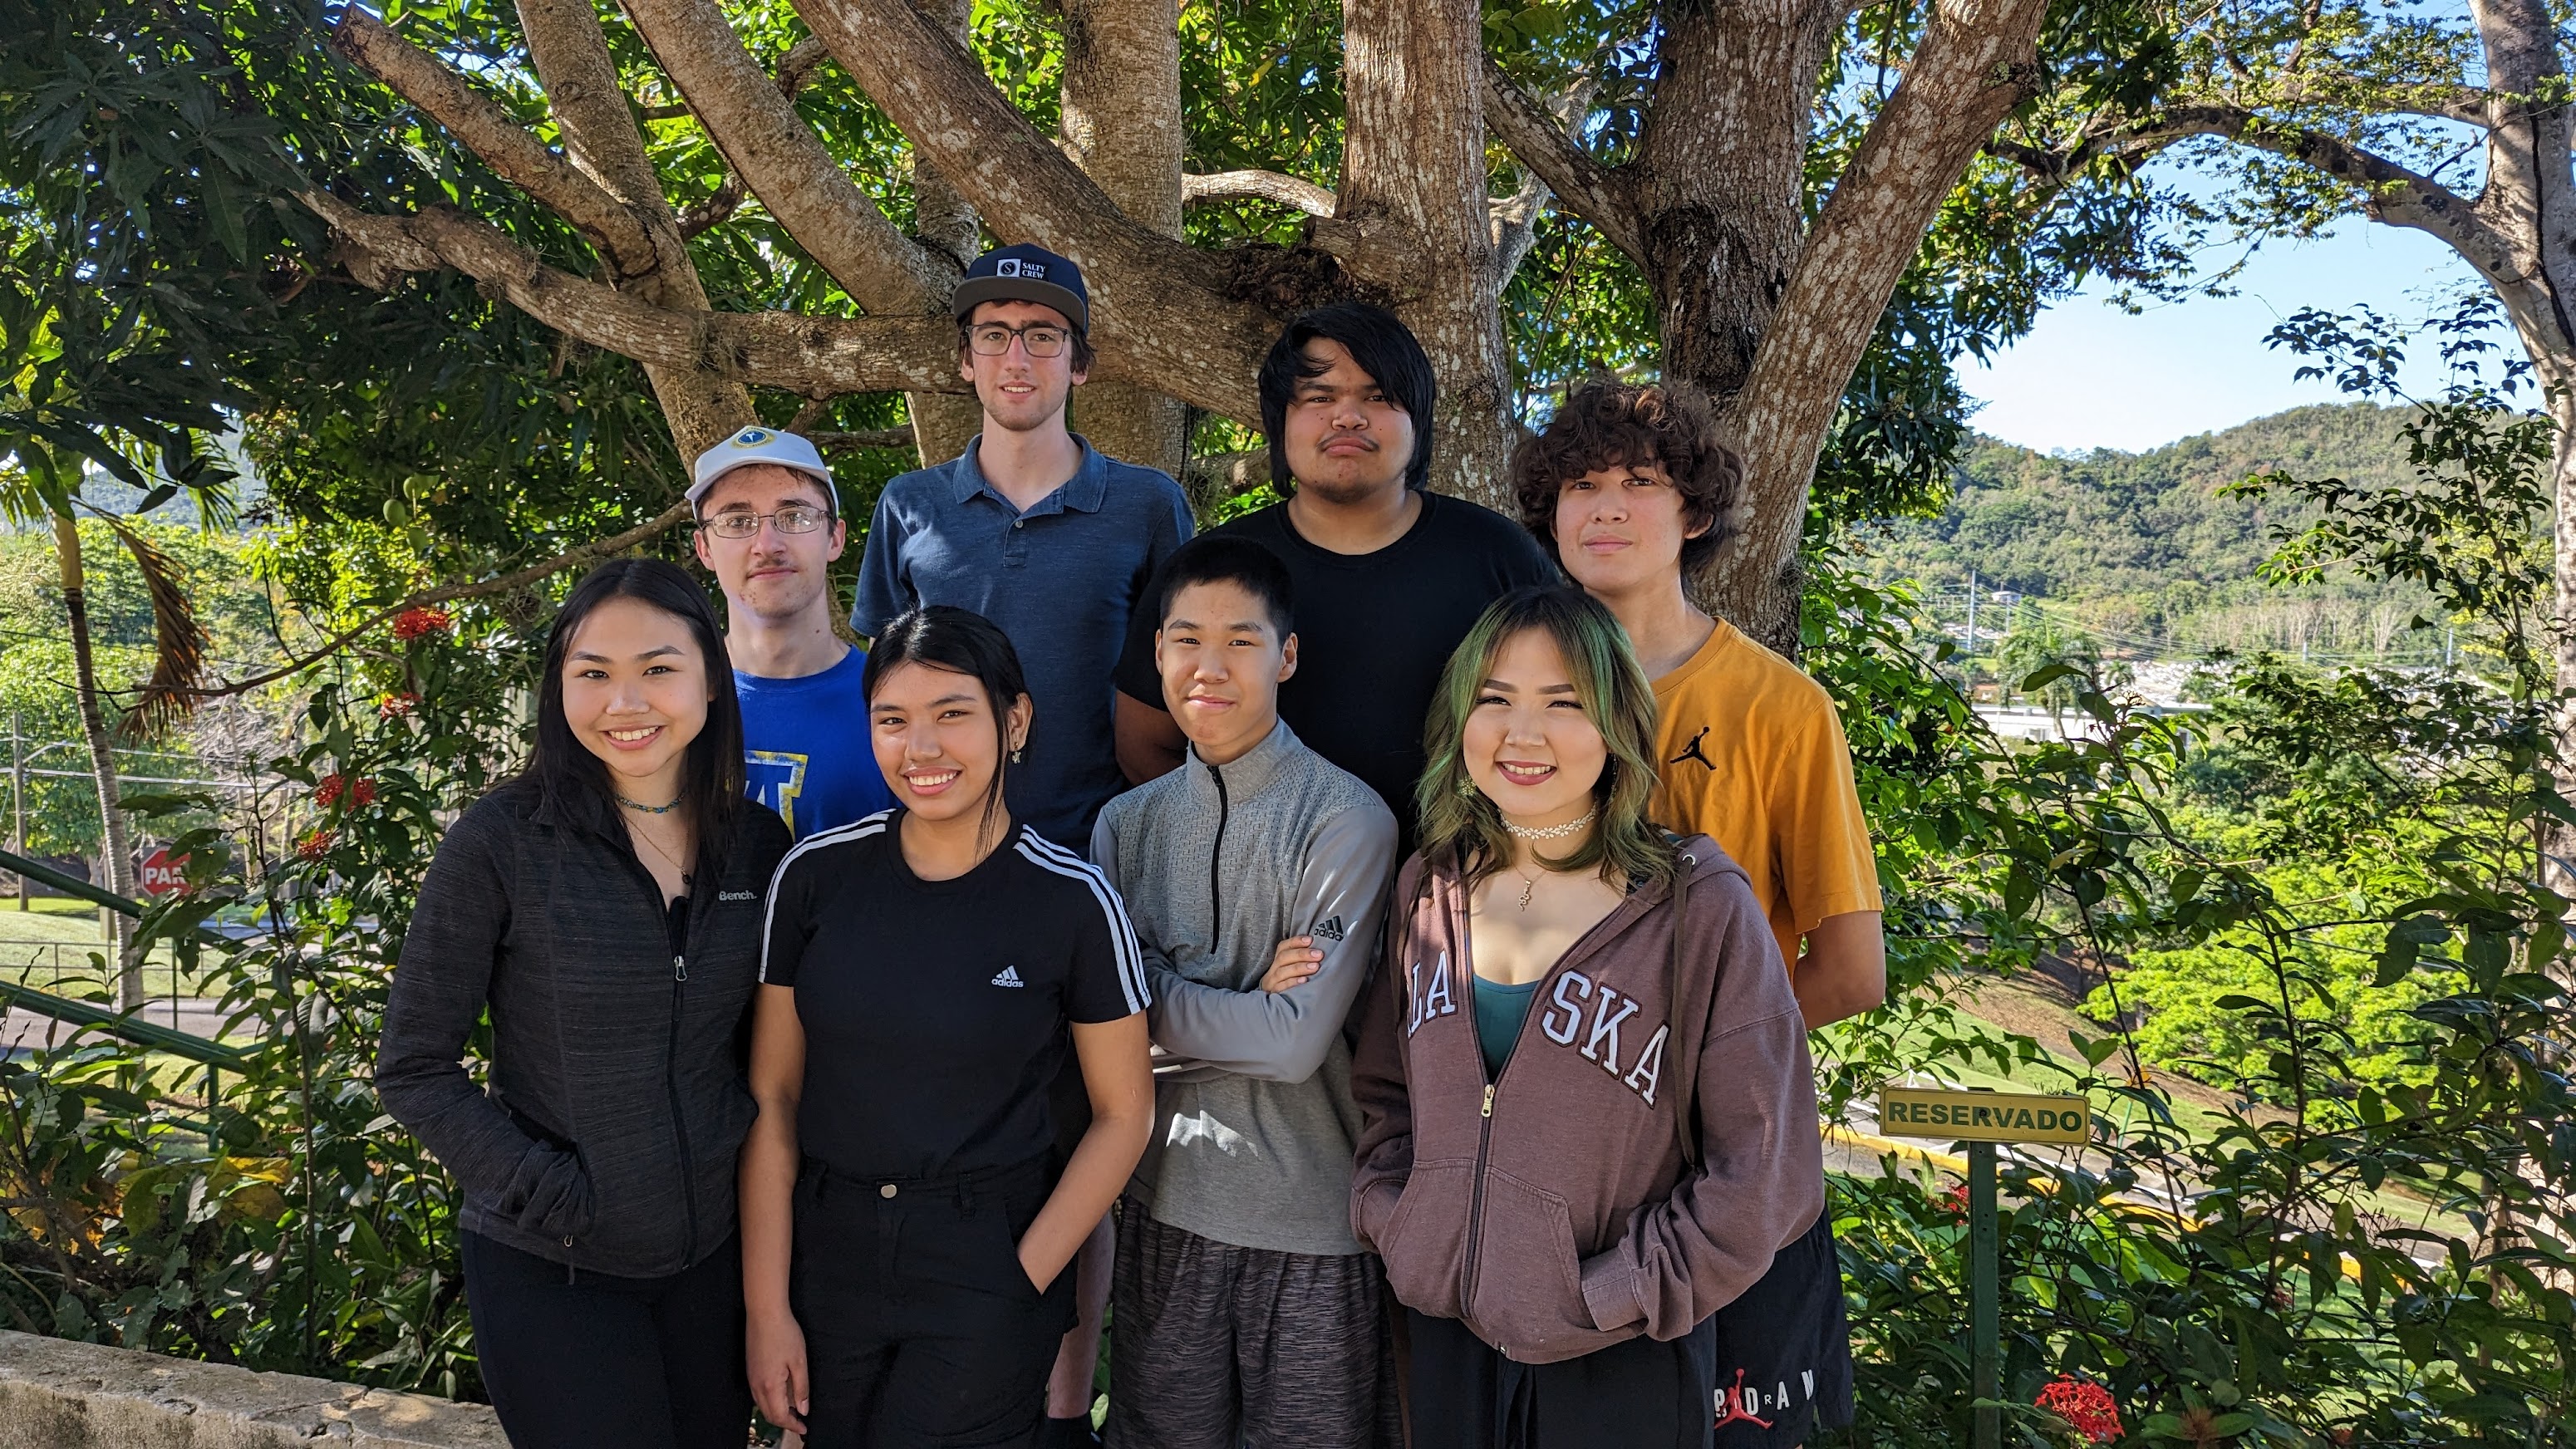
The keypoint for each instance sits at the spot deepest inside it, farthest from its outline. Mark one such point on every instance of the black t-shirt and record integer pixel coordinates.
(935, 1012)
(1374, 631)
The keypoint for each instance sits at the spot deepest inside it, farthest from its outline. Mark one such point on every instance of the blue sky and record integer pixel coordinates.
(2091, 375)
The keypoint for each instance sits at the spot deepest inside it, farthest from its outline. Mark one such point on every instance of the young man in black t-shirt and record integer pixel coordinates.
(1388, 576)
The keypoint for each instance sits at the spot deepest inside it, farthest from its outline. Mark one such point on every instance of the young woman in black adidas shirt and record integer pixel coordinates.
(604, 909)
(907, 1220)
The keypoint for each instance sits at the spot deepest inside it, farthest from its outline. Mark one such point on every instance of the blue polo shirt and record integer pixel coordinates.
(1061, 580)
(806, 751)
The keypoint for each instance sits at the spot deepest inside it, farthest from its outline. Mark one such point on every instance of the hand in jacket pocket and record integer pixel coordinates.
(550, 1194)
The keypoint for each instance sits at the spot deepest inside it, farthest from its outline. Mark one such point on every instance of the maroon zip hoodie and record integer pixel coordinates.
(1549, 1209)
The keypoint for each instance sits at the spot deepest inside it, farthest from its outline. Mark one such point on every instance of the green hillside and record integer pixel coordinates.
(2141, 549)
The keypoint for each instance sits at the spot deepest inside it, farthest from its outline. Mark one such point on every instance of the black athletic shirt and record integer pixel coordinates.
(1374, 631)
(935, 1012)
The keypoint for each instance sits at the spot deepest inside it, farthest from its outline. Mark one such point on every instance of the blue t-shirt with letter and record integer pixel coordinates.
(805, 747)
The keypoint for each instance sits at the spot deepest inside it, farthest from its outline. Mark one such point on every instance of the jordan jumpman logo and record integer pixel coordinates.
(1692, 752)
(1734, 1407)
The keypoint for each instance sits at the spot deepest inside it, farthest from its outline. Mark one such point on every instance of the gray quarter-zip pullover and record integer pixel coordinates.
(1218, 864)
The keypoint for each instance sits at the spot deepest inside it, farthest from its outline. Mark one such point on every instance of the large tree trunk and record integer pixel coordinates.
(116, 849)
(1122, 126)
(945, 221)
(1411, 222)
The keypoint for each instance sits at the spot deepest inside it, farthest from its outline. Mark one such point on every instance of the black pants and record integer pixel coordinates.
(574, 1360)
(1634, 1395)
(921, 1329)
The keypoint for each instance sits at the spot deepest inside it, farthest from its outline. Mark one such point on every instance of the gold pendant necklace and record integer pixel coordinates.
(1529, 883)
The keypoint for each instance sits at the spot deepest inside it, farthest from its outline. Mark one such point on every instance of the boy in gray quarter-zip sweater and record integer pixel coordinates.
(1241, 1302)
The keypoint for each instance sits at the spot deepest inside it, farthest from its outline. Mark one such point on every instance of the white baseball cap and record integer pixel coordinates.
(757, 444)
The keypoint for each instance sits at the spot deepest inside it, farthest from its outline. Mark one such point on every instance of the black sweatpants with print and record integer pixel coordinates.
(573, 1360)
(921, 1329)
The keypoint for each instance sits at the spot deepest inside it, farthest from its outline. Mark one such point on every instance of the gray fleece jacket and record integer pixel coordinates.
(1218, 864)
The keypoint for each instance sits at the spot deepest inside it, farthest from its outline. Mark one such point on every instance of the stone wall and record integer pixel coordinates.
(56, 1394)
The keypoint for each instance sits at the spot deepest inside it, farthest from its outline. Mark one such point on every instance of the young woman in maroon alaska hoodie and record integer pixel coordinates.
(1589, 1119)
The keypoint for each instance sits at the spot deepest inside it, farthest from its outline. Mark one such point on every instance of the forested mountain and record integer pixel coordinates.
(2143, 548)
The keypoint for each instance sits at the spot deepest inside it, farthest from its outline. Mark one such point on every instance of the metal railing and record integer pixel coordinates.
(124, 1026)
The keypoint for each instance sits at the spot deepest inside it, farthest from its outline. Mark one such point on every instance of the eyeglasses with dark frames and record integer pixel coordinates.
(1042, 339)
(794, 518)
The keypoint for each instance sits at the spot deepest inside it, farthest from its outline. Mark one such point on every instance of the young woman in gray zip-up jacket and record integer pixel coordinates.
(1579, 1138)
(604, 909)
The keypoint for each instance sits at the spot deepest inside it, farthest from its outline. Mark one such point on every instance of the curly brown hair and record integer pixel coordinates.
(1612, 424)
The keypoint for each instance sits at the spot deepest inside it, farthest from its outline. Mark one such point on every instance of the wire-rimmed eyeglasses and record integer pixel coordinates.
(794, 518)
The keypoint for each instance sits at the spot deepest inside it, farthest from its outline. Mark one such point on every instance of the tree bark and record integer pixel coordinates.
(1410, 220)
(571, 57)
(944, 422)
(815, 356)
(1121, 108)
(1160, 308)
(116, 849)
(1722, 186)
(1977, 60)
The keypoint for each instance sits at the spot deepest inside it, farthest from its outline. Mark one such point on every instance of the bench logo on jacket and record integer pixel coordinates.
(1581, 1014)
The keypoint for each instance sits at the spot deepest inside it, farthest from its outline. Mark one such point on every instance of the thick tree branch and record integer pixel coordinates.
(1599, 194)
(1974, 64)
(753, 121)
(603, 138)
(489, 132)
(1294, 191)
(2393, 193)
(815, 356)
(873, 438)
(1158, 303)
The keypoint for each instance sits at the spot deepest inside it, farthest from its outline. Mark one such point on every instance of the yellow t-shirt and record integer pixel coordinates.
(1754, 758)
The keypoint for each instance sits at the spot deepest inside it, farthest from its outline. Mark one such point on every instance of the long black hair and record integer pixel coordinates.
(1381, 346)
(573, 783)
(961, 641)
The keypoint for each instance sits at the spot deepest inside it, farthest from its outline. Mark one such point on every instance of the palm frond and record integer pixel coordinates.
(178, 641)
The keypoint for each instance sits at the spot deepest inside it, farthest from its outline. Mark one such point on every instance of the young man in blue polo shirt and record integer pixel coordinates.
(1033, 529)
(769, 526)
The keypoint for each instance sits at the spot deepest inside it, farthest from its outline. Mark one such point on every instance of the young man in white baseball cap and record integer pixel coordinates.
(768, 528)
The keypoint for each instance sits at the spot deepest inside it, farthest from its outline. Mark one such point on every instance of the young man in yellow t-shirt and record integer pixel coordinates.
(1632, 490)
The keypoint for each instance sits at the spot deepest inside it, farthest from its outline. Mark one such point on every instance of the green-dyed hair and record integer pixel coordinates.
(1462, 829)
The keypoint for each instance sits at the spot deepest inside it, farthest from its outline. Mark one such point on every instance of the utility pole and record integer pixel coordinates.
(18, 797)
(1972, 612)
(2450, 637)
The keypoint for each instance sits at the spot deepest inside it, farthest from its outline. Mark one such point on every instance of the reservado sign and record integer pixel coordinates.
(1955, 1116)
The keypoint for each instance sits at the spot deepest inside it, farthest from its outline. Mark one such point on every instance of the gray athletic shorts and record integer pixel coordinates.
(1212, 1346)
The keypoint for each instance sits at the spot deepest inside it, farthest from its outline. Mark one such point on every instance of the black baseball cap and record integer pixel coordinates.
(1024, 273)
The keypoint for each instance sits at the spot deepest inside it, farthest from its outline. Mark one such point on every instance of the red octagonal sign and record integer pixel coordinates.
(164, 872)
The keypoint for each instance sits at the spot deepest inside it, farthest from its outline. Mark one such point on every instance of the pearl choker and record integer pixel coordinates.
(1552, 832)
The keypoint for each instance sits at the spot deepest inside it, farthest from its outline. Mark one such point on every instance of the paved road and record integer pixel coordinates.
(26, 1031)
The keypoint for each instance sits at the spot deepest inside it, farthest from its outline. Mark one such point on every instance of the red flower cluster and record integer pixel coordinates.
(332, 789)
(2085, 1405)
(412, 623)
(396, 706)
(1955, 1202)
(314, 845)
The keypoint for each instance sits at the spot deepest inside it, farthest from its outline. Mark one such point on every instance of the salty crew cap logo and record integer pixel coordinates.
(1024, 273)
(759, 445)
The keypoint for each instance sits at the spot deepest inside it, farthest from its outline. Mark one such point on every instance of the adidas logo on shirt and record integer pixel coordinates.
(1329, 930)
(1010, 977)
